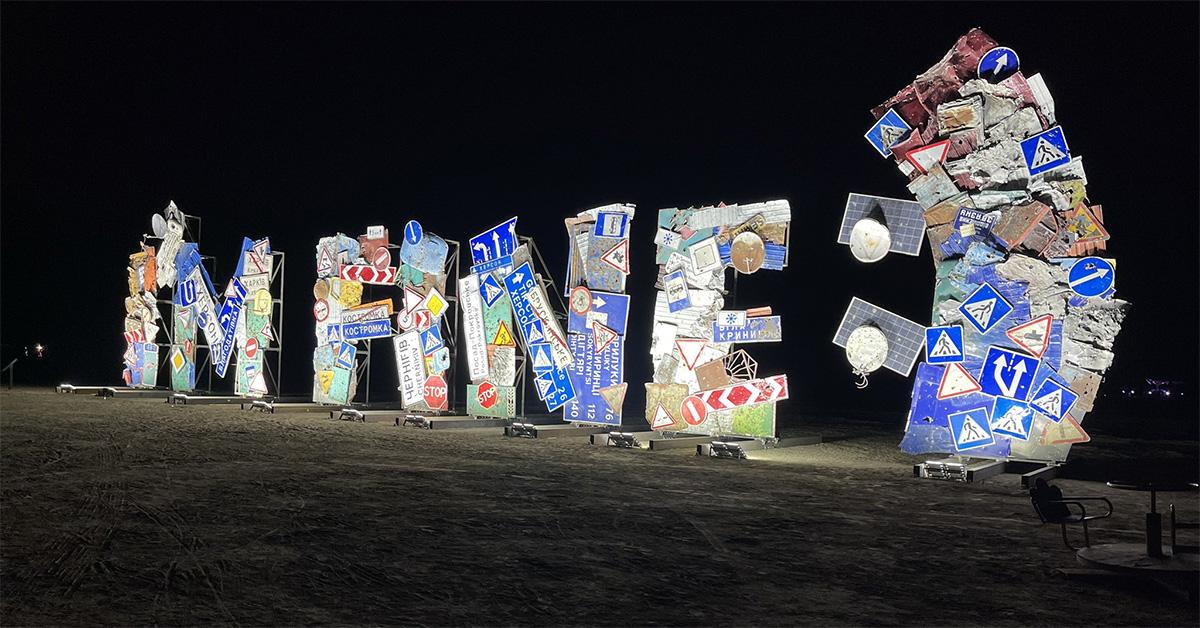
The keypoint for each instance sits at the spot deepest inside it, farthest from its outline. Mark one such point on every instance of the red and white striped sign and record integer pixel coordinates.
(749, 393)
(369, 274)
(693, 410)
(136, 335)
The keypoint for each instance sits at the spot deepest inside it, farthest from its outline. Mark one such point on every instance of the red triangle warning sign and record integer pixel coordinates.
(662, 419)
(1065, 432)
(618, 256)
(926, 157)
(1033, 336)
(956, 381)
(602, 336)
(690, 349)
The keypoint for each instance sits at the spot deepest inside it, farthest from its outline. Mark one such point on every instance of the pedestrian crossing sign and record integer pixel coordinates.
(888, 131)
(971, 429)
(1012, 417)
(985, 307)
(1053, 400)
(1046, 151)
(944, 344)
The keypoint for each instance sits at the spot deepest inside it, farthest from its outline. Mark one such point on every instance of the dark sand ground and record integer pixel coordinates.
(135, 512)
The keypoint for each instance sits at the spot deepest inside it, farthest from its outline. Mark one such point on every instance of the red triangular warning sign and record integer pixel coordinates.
(690, 349)
(926, 157)
(662, 419)
(618, 256)
(956, 381)
(602, 336)
(1066, 432)
(1033, 336)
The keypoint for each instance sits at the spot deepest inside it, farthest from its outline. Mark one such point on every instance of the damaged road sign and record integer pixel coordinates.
(985, 307)
(887, 131)
(998, 64)
(1054, 400)
(1046, 151)
(971, 429)
(1007, 373)
(607, 308)
(366, 330)
(1012, 417)
(497, 242)
(1091, 276)
(490, 289)
(944, 344)
(611, 225)
(956, 381)
(1034, 336)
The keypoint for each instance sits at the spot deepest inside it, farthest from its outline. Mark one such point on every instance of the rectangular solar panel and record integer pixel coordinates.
(905, 338)
(905, 220)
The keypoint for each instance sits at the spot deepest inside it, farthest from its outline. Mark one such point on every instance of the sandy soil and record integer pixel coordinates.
(135, 512)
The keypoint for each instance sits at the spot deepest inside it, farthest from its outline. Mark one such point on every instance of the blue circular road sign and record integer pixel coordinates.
(1091, 276)
(413, 232)
(998, 64)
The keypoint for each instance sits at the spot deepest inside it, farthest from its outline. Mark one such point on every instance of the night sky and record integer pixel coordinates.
(297, 121)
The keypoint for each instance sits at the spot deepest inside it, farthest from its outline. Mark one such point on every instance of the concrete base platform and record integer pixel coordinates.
(70, 389)
(187, 399)
(623, 440)
(119, 392)
(565, 430)
(741, 448)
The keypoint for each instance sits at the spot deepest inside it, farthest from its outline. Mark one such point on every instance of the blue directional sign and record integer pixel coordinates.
(490, 290)
(611, 225)
(590, 372)
(971, 429)
(431, 340)
(887, 131)
(610, 309)
(413, 232)
(519, 283)
(1012, 417)
(560, 390)
(998, 64)
(345, 356)
(490, 265)
(364, 330)
(944, 344)
(1007, 373)
(496, 242)
(1046, 151)
(227, 318)
(985, 307)
(540, 357)
(1053, 400)
(1091, 276)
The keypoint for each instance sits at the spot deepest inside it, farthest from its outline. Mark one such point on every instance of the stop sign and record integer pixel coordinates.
(435, 392)
(693, 410)
(487, 395)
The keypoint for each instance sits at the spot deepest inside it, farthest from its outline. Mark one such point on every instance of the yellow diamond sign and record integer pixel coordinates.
(435, 303)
